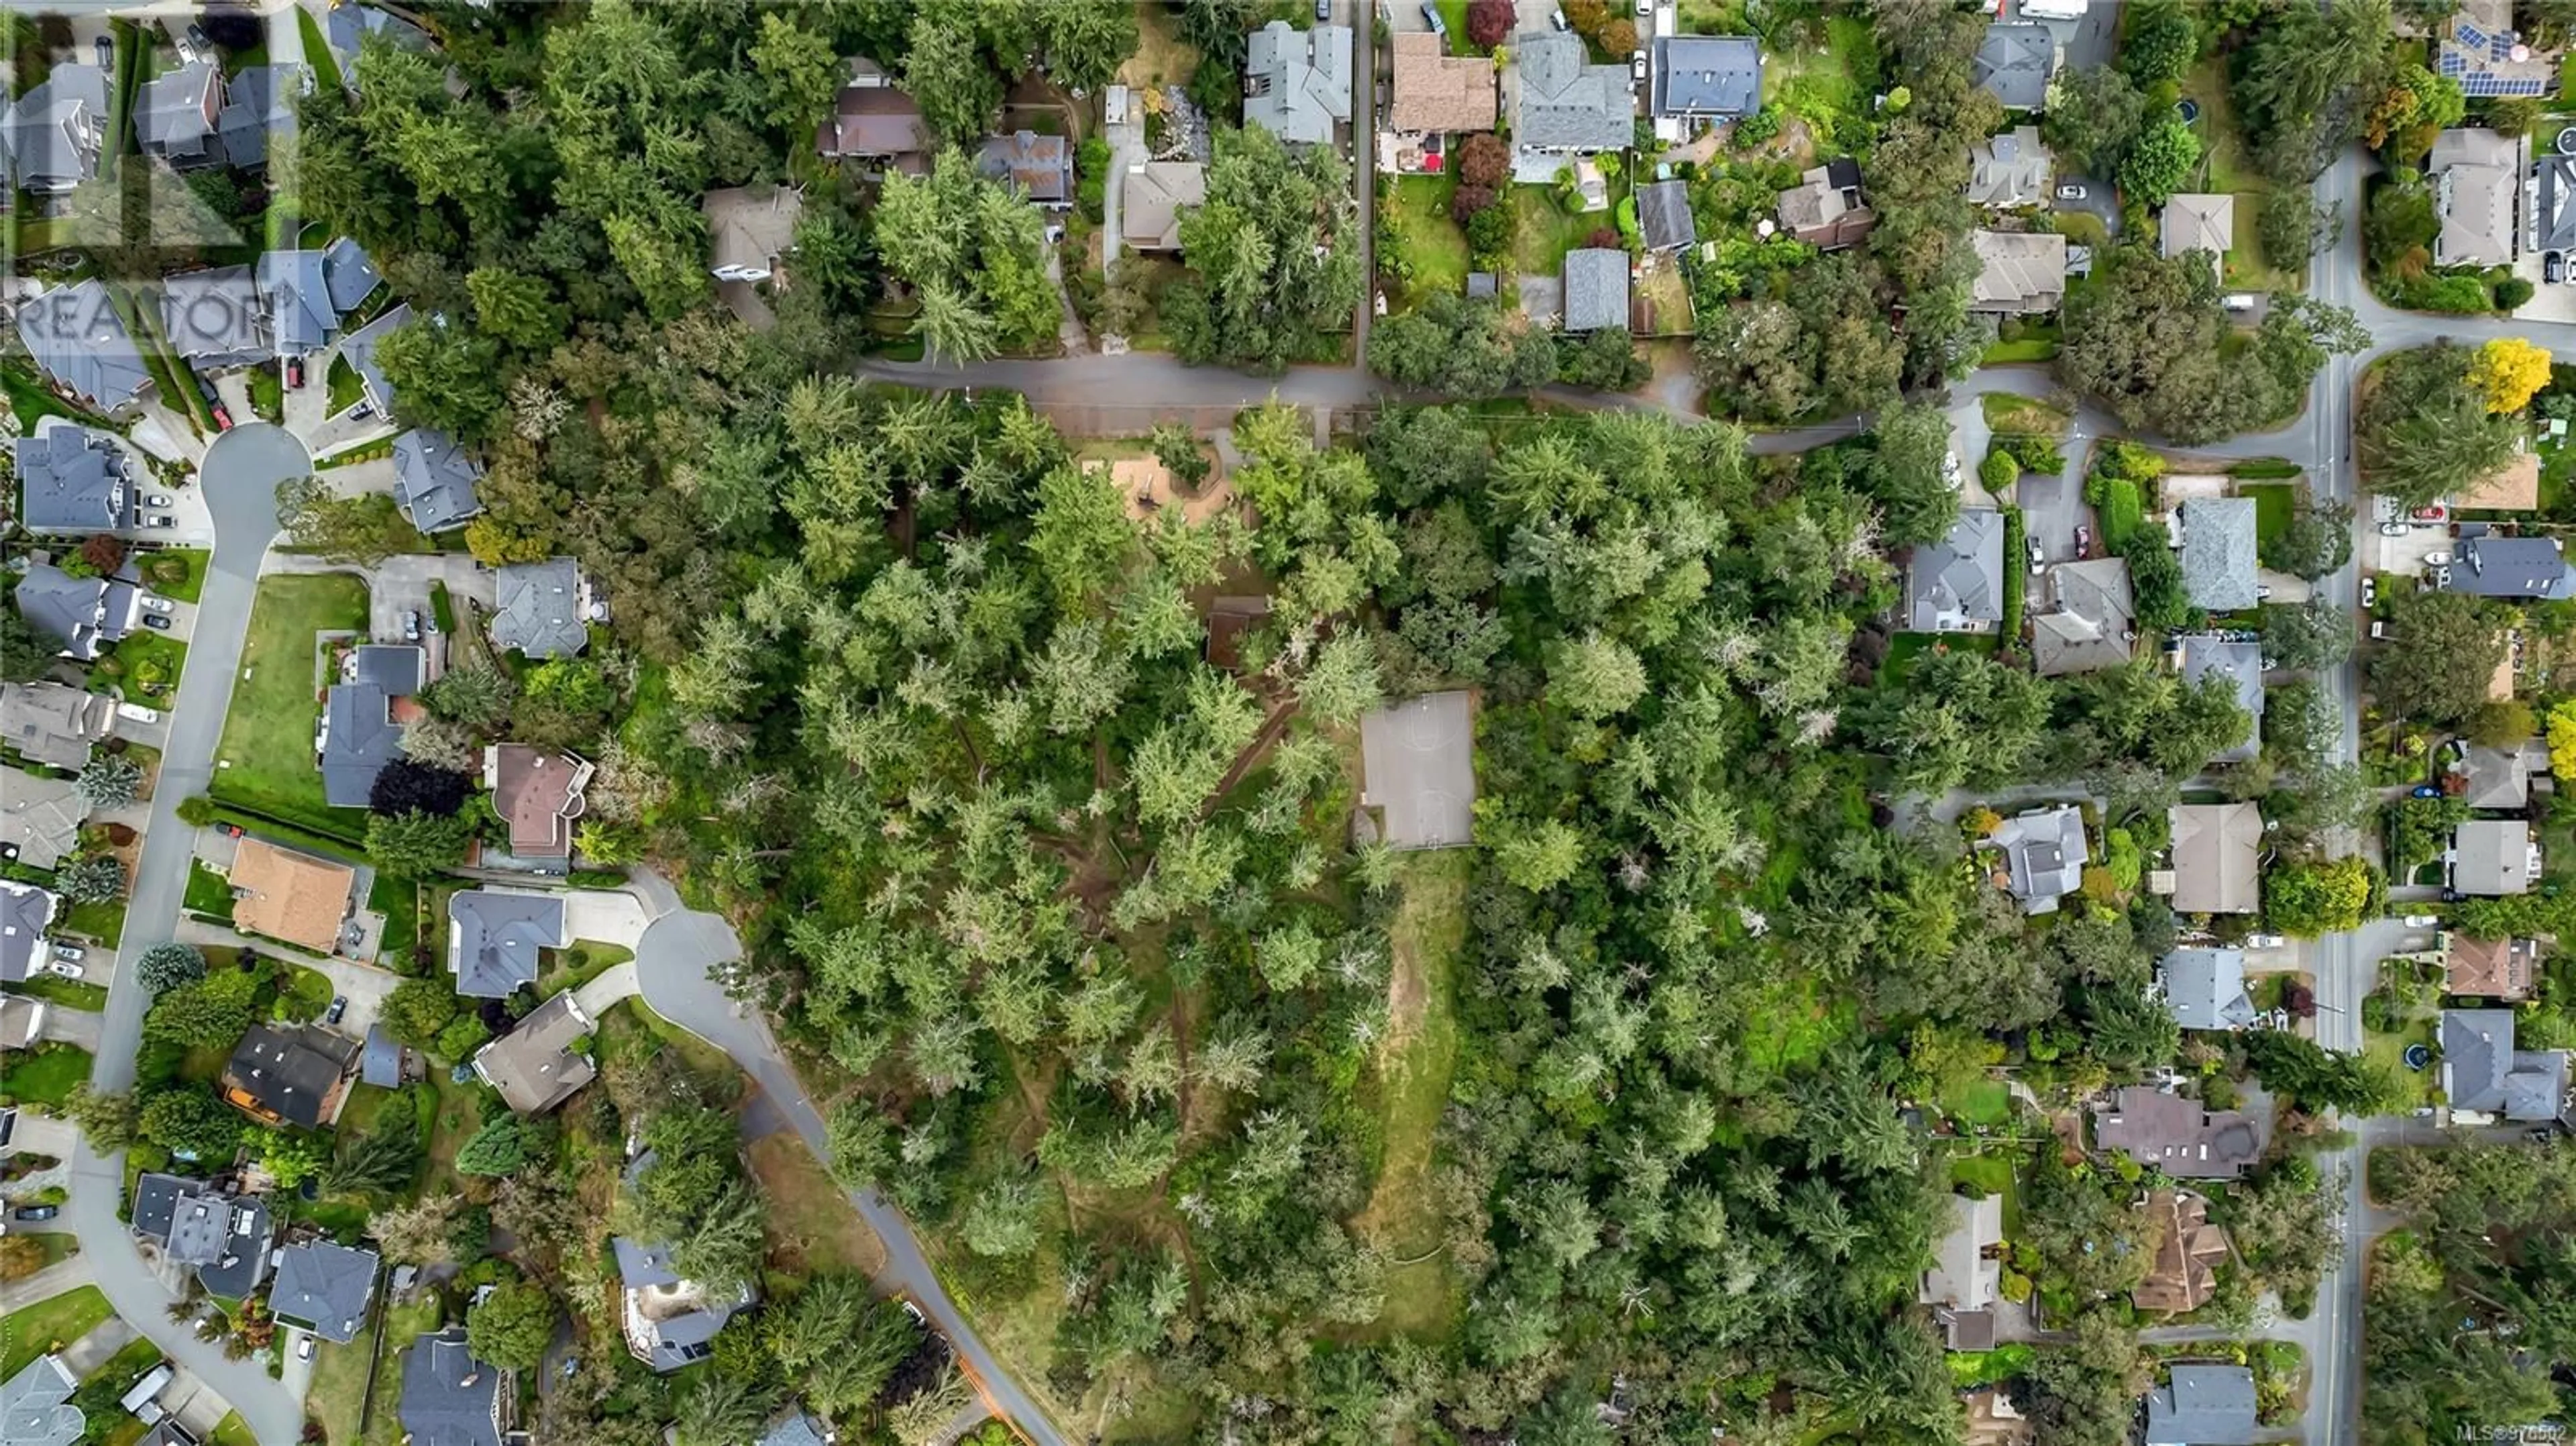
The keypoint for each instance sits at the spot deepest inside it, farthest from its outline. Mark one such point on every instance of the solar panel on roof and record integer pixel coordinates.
(2450, 64)
(2471, 36)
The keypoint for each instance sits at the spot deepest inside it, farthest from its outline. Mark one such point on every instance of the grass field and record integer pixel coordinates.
(30, 400)
(69, 993)
(265, 761)
(2274, 504)
(48, 1325)
(178, 572)
(345, 389)
(1542, 231)
(1818, 84)
(812, 1226)
(326, 66)
(2006, 413)
(209, 893)
(340, 1378)
(1987, 1102)
(46, 1074)
(574, 967)
(1418, 207)
(2029, 349)
(147, 664)
(1993, 1174)
(1413, 1070)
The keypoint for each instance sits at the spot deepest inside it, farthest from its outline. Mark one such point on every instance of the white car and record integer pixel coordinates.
(2437, 559)
(137, 713)
(2393, 529)
(2370, 592)
(63, 968)
(2238, 301)
(159, 499)
(2070, 193)
(2420, 921)
(303, 1347)
(2264, 941)
(161, 605)
(2038, 560)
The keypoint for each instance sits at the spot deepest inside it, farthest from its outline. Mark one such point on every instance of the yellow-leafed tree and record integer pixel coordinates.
(2562, 740)
(2508, 372)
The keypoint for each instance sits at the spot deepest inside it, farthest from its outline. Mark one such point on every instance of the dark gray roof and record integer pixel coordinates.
(1958, 581)
(2536, 1089)
(2044, 855)
(2477, 1053)
(493, 946)
(1567, 103)
(2497, 777)
(350, 273)
(2205, 988)
(215, 318)
(324, 1287)
(36, 1408)
(359, 740)
(55, 130)
(681, 1338)
(2015, 62)
(1596, 288)
(74, 334)
(345, 28)
(394, 667)
(2242, 665)
(174, 114)
(2553, 216)
(2205, 1406)
(2512, 567)
(1480, 283)
(448, 1397)
(78, 613)
(1708, 75)
(434, 480)
(793, 1429)
(257, 100)
(54, 725)
(290, 1069)
(1040, 165)
(358, 349)
(241, 1257)
(539, 609)
(72, 479)
(25, 911)
(2218, 553)
(156, 1200)
(297, 300)
(1297, 83)
(1664, 215)
(380, 1063)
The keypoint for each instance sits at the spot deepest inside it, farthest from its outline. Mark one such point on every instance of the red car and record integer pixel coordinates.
(295, 373)
(223, 419)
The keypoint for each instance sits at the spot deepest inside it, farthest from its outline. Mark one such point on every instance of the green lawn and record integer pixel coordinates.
(399, 901)
(102, 922)
(1411, 1088)
(326, 66)
(2388, 1052)
(1996, 1173)
(209, 893)
(265, 761)
(1987, 1102)
(1454, 14)
(1818, 84)
(2274, 505)
(1542, 231)
(267, 393)
(45, 1075)
(574, 967)
(48, 1325)
(2007, 413)
(30, 400)
(307, 994)
(1433, 246)
(176, 572)
(2029, 349)
(2222, 144)
(69, 993)
(146, 663)
(233, 1431)
(344, 386)
(339, 1394)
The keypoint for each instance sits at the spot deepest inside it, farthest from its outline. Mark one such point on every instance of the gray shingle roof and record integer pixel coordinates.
(76, 613)
(54, 725)
(346, 27)
(297, 300)
(1042, 166)
(535, 1066)
(258, 100)
(36, 1408)
(1958, 582)
(2218, 553)
(2205, 988)
(793, 1429)
(448, 1397)
(1664, 216)
(359, 741)
(1566, 102)
(2491, 857)
(74, 334)
(2092, 620)
(2204, 1406)
(174, 114)
(2242, 665)
(493, 947)
(2537, 1088)
(350, 273)
(215, 318)
(72, 479)
(40, 818)
(2010, 169)
(397, 668)
(1596, 288)
(539, 609)
(2511, 567)
(2554, 205)
(2498, 778)
(25, 913)
(380, 1061)
(292, 1070)
(2481, 1069)
(1962, 1275)
(1297, 83)
(242, 1261)
(2217, 857)
(1707, 75)
(358, 349)
(2044, 856)
(434, 480)
(2014, 64)
(324, 1287)
(55, 130)
(156, 1201)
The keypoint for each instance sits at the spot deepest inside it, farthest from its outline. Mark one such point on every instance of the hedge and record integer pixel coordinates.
(2016, 574)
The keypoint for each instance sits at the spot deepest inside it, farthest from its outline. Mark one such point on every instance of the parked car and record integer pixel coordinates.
(1645, 7)
(2437, 559)
(2439, 577)
(2262, 590)
(2421, 921)
(339, 1007)
(1557, 18)
(303, 1346)
(1637, 67)
(154, 604)
(411, 625)
(62, 968)
(2071, 193)
(2370, 592)
(914, 1311)
(2553, 267)
(232, 830)
(2038, 560)
(2083, 540)
(2393, 529)
(2264, 941)
(295, 364)
(36, 1212)
(2238, 301)
(160, 499)
(2435, 513)
(223, 418)
(1431, 17)
(2425, 790)
(156, 622)
(70, 953)
(161, 519)
(137, 713)
(2379, 633)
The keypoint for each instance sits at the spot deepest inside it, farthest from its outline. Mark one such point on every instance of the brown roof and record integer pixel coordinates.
(290, 896)
(534, 1066)
(1439, 93)
(873, 121)
(1824, 214)
(2188, 1249)
(2515, 487)
(2176, 1135)
(538, 794)
(2488, 968)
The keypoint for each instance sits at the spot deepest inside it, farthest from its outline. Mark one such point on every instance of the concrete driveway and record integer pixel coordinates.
(607, 916)
(73, 1026)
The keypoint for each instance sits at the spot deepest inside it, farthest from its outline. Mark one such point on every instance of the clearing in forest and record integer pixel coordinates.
(1413, 1067)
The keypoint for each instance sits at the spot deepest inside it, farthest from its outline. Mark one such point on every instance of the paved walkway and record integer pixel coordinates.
(599, 995)
(68, 1274)
(92, 1350)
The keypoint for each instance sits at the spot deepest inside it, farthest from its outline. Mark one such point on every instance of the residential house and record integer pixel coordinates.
(2477, 47)
(2092, 621)
(496, 939)
(288, 896)
(2015, 63)
(2188, 1250)
(358, 349)
(167, 1432)
(1706, 77)
(51, 724)
(2241, 664)
(224, 1239)
(40, 819)
(156, 1203)
(2513, 568)
(2219, 553)
(1437, 93)
(2205, 988)
(2044, 851)
(2198, 222)
(305, 295)
(749, 228)
(56, 130)
(795, 1428)
(2204, 1406)
(175, 114)
(26, 912)
(36, 1405)
(877, 122)
(380, 1059)
(345, 28)
(448, 1397)
(2217, 857)
(542, 609)
(292, 1074)
(22, 1021)
(2494, 857)
(258, 100)
(2477, 183)
(2018, 273)
(434, 479)
(357, 738)
(1418, 770)
(2489, 968)
(538, 796)
(79, 342)
(539, 1064)
(1956, 585)
(1149, 209)
(73, 478)
(1568, 105)
(1967, 1273)
(1664, 218)
(2011, 170)
(349, 274)
(325, 1288)
(2483, 1073)
(1596, 288)
(77, 614)
(2495, 778)
(216, 319)
(2176, 1135)
(1297, 83)
(2552, 197)
(1825, 209)
(669, 1321)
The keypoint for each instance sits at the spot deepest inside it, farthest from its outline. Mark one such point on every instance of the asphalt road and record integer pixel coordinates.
(239, 479)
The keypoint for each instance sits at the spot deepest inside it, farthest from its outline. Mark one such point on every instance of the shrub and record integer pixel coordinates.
(1999, 471)
(1467, 201)
(2511, 292)
(1483, 160)
(2120, 511)
(2016, 576)
(1489, 22)
(1762, 125)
